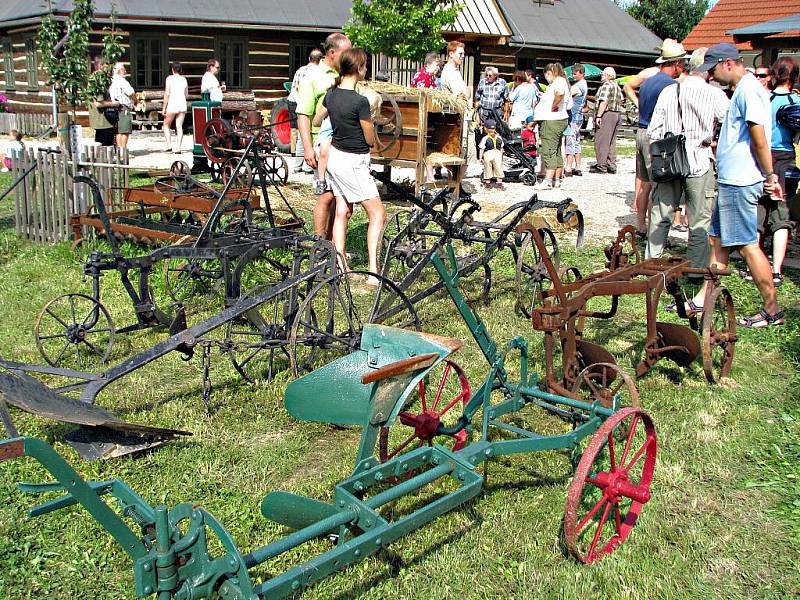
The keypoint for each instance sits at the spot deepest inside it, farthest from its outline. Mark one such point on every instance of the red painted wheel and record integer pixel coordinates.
(281, 125)
(612, 483)
(218, 136)
(440, 395)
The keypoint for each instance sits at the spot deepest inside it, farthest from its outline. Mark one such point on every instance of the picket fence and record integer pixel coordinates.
(47, 197)
(30, 124)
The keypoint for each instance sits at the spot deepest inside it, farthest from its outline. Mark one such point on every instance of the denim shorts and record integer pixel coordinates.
(735, 217)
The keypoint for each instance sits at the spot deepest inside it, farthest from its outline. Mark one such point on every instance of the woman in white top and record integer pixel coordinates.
(174, 108)
(551, 113)
(523, 97)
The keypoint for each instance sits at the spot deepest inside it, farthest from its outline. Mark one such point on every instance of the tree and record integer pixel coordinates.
(65, 53)
(402, 28)
(666, 18)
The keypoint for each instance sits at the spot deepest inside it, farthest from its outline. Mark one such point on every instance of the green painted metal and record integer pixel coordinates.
(171, 554)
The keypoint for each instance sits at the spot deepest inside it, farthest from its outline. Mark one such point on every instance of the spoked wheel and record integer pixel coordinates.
(440, 397)
(181, 184)
(179, 167)
(330, 320)
(219, 139)
(388, 127)
(612, 483)
(277, 169)
(185, 279)
(719, 334)
(215, 169)
(625, 250)
(608, 384)
(75, 331)
(241, 179)
(534, 275)
(258, 341)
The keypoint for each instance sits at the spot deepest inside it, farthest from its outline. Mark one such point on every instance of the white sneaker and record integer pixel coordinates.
(557, 183)
(545, 184)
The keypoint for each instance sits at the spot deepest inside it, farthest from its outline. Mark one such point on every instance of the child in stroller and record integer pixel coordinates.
(519, 159)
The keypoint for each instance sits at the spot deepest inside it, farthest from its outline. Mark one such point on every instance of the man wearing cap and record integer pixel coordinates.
(702, 106)
(744, 165)
(606, 122)
(670, 66)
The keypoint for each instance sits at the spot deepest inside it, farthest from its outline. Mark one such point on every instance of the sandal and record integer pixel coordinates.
(777, 279)
(689, 306)
(763, 319)
(680, 228)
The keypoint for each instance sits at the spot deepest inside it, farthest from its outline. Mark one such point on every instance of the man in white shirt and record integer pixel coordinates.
(452, 81)
(702, 106)
(121, 92)
(210, 84)
(313, 62)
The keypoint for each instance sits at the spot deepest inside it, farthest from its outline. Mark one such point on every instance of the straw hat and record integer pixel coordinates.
(670, 50)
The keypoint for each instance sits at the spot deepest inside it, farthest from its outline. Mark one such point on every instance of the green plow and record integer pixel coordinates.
(423, 430)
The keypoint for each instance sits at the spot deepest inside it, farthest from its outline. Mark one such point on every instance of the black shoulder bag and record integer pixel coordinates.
(669, 160)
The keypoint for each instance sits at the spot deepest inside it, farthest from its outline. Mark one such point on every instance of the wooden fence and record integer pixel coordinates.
(30, 124)
(45, 199)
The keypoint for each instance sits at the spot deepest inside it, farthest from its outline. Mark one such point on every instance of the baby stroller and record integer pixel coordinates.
(518, 165)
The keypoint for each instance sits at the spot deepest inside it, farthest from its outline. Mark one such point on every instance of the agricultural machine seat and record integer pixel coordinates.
(364, 387)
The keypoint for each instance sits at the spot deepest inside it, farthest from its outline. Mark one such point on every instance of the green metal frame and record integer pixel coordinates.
(170, 553)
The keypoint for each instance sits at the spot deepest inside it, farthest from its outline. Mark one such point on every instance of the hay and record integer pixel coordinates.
(439, 100)
(546, 217)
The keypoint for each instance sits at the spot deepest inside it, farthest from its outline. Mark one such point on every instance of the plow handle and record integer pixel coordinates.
(79, 491)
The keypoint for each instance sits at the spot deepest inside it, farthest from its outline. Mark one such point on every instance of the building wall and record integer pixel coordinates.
(270, 59)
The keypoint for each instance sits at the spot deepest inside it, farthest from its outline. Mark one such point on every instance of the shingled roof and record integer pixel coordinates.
(728, 15)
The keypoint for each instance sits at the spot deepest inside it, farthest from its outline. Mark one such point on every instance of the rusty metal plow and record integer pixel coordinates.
(561, 313)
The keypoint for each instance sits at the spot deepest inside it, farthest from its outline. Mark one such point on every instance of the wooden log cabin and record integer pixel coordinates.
(261, 44)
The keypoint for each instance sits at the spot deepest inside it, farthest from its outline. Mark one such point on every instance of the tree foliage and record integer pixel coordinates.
(67, 62)
(667, 18)
(402, 28)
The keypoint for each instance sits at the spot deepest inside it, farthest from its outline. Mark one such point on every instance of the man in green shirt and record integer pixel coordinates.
(310, 93)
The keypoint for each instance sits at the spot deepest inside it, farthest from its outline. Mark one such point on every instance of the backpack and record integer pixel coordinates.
(788, 115)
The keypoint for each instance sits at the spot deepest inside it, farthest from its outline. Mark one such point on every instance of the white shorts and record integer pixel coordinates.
(350, 177)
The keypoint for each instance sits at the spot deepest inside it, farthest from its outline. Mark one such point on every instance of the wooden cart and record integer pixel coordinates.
(431, 125)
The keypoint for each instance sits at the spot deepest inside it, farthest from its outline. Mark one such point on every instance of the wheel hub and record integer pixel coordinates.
(615, 486)
(425, 424)
(76, 333)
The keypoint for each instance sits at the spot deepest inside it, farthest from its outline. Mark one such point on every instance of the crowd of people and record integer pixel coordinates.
(738, 148)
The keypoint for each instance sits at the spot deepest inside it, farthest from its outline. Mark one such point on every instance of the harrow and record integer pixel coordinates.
(381, 388)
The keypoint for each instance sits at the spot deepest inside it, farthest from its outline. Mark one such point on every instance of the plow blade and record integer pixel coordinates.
(678, 343)
(591, 354)
(103, 435)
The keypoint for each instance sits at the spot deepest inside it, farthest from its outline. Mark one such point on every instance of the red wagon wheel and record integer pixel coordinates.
(445, 389)
(218, 136)
(612, 483)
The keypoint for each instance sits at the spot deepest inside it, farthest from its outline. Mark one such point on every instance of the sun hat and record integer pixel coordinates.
(697, 58)
(670, 50)
(717, 54)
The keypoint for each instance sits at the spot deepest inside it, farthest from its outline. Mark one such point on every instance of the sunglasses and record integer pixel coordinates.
(762, 75)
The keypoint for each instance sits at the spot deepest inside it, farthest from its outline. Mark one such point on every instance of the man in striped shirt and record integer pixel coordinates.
(702, 106)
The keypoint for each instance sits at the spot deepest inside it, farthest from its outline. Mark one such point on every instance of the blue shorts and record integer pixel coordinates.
(735, 217)
(572, 137)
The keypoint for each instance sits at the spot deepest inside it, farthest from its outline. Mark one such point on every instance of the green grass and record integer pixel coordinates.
(724, 521)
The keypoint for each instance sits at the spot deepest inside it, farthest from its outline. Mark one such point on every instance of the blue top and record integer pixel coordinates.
(578, 100)
(781, 136)
(648, 96)
(736, 164)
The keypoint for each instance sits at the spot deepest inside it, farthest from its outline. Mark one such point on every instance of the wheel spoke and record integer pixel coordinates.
(442, 383)
(617, 518)
(591, 513)
(91, 331)
(61, 354)
(397, 450)
(56, 317)
(422, 395)
(93, 348)
(611, 451)
(638, 454)
(72, 309)
(599, 531)
(629, 441)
